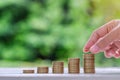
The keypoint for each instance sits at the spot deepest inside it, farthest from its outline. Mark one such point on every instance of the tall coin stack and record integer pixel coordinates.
(74, 65)
(89, 66)
(42, 70)
(58, 67)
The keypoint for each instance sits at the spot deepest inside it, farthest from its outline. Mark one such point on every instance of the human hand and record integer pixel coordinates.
(105, 39)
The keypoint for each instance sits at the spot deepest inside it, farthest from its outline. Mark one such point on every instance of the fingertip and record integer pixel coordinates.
(107, 55)
(117, 56)
(86, 48)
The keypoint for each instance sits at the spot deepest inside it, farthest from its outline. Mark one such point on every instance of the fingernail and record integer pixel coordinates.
(86, 50)
(94, 49)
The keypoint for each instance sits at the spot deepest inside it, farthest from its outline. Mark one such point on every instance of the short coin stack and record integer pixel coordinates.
(42, 70)
(89, 66)
(28, 71)
(58, 67)
(74, 65)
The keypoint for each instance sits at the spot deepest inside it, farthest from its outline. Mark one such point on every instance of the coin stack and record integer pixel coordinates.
(42, 70)
(89, 66)
(58, 67)
(28, 71)
(74, 65)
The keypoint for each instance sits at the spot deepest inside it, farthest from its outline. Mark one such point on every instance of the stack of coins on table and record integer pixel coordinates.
(89, 66)
(58, 67)
(42, 70)
(74, 65)
(28, 71)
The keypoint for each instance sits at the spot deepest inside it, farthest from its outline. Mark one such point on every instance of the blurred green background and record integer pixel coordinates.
(37, 32)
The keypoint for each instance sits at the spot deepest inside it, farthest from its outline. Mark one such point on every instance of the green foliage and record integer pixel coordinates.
(48, 29)
(17, 53)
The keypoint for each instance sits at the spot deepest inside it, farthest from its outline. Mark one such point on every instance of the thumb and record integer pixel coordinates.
(103, 42)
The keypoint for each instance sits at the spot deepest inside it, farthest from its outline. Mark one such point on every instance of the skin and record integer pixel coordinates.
(105, 39)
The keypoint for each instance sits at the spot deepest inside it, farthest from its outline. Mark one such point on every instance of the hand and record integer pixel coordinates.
(105, 39)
